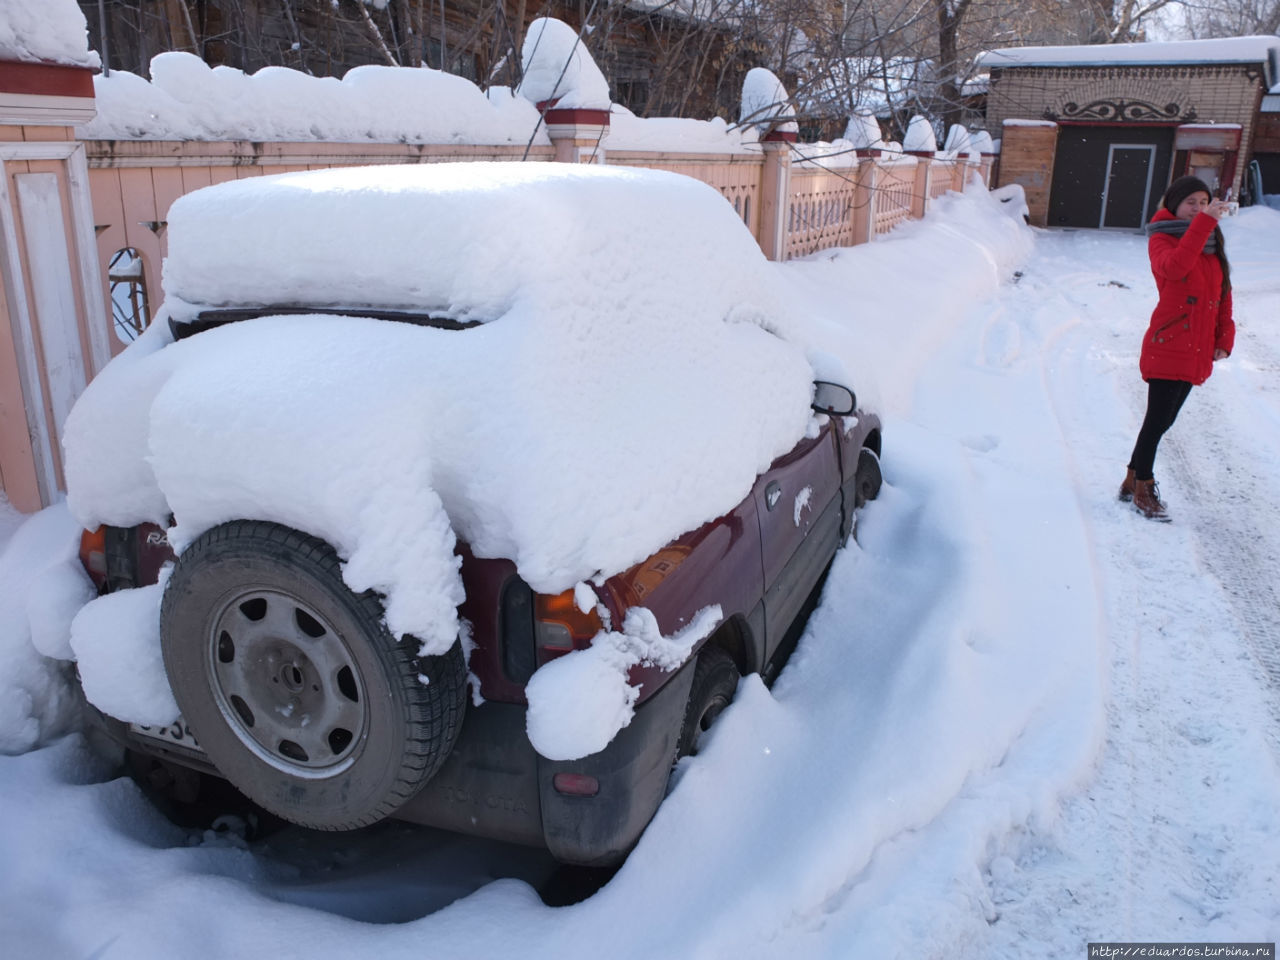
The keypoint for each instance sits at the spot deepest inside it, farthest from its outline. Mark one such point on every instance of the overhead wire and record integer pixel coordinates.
(546, 104)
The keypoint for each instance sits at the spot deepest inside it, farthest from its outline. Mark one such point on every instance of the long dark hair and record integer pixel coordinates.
(1178, 191)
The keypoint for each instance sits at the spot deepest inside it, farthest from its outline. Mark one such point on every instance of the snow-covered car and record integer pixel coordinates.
(529, 429)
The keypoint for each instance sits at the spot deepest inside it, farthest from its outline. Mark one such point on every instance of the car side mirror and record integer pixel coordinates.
(833, 399)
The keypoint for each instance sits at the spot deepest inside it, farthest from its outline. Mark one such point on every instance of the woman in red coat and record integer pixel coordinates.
(1190, 328)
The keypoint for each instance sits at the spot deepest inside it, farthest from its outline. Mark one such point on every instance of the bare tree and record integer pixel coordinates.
(1231, 18)
(1122, 21)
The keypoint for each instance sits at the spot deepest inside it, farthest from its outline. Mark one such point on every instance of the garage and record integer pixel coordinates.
(1094, 134)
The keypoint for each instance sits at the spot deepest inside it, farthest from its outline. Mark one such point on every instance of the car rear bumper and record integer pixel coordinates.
(495, 785)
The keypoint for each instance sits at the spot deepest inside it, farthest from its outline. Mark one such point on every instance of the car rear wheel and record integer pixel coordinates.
(294, 686)
(715, 680)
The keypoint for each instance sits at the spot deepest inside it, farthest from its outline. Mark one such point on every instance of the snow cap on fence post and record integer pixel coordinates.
(48, 66)
(920, 140)
(557, 67)
(983, 143)
(985, 148)
(51, 32)
(566, 85)
(767, 106)
(863, 131)
(958, 139)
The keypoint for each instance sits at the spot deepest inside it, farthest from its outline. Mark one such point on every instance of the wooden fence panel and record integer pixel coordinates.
(942, 177)
(894, 188)
(821, 210)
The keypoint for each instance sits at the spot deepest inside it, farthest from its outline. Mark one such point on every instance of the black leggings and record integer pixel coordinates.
(1164, 400)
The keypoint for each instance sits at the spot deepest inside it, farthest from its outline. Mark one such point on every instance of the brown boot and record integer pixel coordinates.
(1146, 500)
(1126, 488)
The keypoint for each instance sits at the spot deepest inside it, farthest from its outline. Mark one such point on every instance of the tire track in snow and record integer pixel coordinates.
(1233, 505)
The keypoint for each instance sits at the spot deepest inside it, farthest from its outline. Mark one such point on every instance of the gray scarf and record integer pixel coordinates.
(1178, 227)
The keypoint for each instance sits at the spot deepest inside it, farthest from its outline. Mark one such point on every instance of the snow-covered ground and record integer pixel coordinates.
(1022, 718)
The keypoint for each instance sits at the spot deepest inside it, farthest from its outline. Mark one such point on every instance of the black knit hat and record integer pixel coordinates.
(1182, 188)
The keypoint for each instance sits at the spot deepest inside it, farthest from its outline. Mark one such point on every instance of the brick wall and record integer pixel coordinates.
(1225, 93)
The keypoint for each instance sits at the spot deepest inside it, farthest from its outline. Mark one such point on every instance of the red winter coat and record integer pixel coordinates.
(1193, 318)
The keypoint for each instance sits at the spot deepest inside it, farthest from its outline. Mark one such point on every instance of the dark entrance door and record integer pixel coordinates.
(1095, 185)
(1124, 199)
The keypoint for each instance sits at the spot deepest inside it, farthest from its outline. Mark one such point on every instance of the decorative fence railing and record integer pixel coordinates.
(822, 211)
(895, 193)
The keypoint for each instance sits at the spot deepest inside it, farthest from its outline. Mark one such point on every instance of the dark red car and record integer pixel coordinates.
(292, 688)
(578, 295)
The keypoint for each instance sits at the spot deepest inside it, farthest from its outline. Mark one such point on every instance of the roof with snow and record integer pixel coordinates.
(1261, 49)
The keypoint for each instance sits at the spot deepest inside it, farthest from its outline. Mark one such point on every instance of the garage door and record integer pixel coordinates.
(1109, 176)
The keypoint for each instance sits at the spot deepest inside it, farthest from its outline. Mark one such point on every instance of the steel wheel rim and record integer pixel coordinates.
(286, 683)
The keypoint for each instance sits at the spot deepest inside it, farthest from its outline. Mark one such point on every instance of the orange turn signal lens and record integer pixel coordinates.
(93, 553)
(561, 625)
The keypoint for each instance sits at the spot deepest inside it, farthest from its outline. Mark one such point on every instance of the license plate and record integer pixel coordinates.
(175, 734)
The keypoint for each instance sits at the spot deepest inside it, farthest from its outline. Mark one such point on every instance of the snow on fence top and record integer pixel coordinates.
(1229, 50)
(47, 31)
(187, 99)
(678, 134)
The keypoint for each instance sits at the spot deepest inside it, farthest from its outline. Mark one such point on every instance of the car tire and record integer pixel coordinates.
(715, 680)
(868, 477)
(292, 683)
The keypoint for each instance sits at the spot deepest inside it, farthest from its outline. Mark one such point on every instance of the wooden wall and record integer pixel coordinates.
(1026, 158)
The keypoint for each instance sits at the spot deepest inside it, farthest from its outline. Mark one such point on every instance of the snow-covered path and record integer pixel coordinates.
(1022, 719)
(1175, 837)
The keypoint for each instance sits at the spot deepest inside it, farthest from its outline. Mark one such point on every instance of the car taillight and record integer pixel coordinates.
(93, 555)
(560, 625)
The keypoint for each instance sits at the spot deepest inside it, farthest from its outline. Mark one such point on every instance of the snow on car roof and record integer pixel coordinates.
(464, 240)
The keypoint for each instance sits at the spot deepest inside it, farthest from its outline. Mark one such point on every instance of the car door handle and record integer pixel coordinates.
(772, 494)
